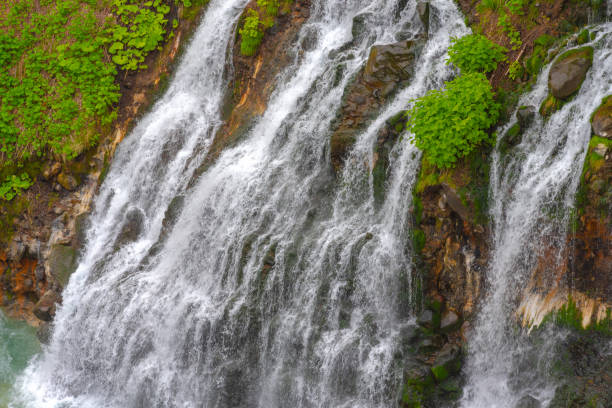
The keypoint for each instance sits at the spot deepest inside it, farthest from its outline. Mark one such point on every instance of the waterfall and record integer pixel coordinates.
(533, 190)
(276, 284)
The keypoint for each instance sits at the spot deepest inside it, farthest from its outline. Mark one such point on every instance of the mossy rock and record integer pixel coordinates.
(569, 71)
(601, 121)
(62, 263)
(550, 106)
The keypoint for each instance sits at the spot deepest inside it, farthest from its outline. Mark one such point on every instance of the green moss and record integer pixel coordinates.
(440, 373)
(570, 316)
(550, 106)
(583, 37)
(418, 240)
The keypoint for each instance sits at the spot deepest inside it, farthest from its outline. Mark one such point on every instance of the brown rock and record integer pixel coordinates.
(67, 181)
(45, 308)
(568, 72)
(51, 170)
(602, 119)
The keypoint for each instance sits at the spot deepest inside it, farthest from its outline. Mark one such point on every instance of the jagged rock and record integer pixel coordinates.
(388, 68)
(62, 262)
(528, 402)
(450, 322)
(67, 181)
(423, 11)
(525, 116)
(454, 202)
(51, 170)
(39, 273)
(602, 119)
(568, 72)
(447, 362)
(44, 333)
(512, 137)
(132, 227)
(45, 308)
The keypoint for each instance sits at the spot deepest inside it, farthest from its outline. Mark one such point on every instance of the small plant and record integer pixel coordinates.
(251, 33)
(270, 7)
(475, 53)
(493, 5)
(515, 37)
(14, 185)
(515, 71)
(516, 7)
(448, 124)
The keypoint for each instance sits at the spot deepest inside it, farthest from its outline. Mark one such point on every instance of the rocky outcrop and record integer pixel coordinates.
(451, 233)
(51, 212)
(568, 72)
(388, 68)
(602, 119)
(254, 77)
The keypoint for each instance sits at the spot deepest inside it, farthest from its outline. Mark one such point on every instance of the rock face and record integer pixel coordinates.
(568, 72)
(602, 119)
(45, 308)
(388, 67)
(454, 251)
(67, 181)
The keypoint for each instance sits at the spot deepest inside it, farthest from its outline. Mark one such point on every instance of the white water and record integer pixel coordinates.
(532, 194)
(187, 318)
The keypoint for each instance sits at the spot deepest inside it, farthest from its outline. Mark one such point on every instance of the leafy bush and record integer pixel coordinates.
(14, 185)
(251, 33)
(269, 6)
(448, 124)
(515, 71)
(475, 53)
(516, 7)
(515, 37)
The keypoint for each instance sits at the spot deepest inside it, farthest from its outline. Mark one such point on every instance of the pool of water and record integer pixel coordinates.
(18, 344)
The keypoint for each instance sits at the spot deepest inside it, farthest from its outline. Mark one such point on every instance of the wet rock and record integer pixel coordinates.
(132, 227)
(51, 170)
(426, 319)
(602, 119)
(525, 116)
(45, 308)
(528, 402)
(550, 106)
(568, 72)
(450, 322)
(62, 262)
(423, 11)
(39, 273)
(454, 202)
(67, 181)
(447, 362)
(44, 333)
(512, 137)
(387, 69)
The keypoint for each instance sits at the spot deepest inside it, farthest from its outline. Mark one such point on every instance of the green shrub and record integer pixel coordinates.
(270, 7)
(515, 37)
(251, 33)
(515, 71)
(14, 185)
(448, 124)
(475, 53)
(516, 7)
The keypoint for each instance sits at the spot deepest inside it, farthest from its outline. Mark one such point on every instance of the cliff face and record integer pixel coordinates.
(42, 228)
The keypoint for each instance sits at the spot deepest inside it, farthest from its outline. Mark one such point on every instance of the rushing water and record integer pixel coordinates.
(533, 191)
(276, 284)
(18, 344)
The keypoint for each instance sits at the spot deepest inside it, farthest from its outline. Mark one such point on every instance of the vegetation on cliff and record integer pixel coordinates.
(59, 68)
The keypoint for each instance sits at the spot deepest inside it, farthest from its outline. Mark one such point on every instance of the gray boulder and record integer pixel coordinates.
(568, 72)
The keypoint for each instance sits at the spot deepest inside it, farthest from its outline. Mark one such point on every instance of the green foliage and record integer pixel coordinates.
(517, 7)
(58, 66)
(515, 71)
(515, 37)
(475, 53)
(270, 7)
(251, 33)
(448, 124)
(493, 5)
(140, 30)
(14, 185)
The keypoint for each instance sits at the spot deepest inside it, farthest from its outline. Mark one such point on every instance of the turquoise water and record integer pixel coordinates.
(18, 344)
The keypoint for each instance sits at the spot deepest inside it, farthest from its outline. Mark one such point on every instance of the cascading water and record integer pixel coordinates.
(277, 285)
(533, 191)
